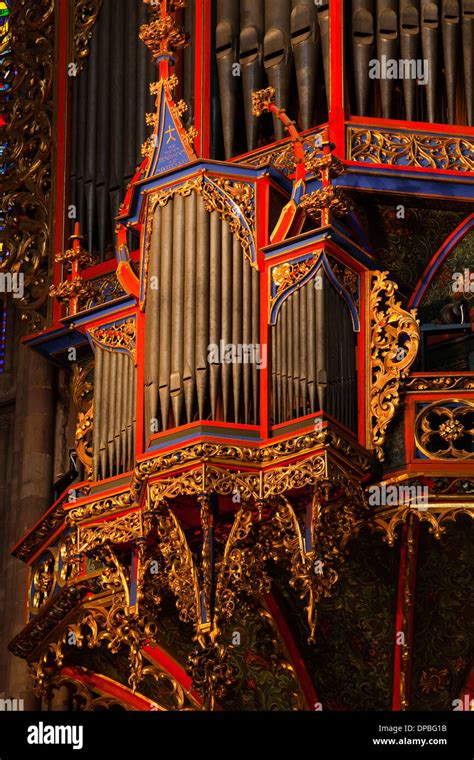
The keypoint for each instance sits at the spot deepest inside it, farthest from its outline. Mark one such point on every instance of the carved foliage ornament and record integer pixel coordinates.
(82, 387)
(26, 159)
(120, 336)
(85, 16)
(409, 149)
(445, 430)
(394, 342)
(234, 201)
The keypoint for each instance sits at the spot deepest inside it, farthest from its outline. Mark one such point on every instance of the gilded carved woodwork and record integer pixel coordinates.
(234, 201)
(86, 13)
(283, 157)
(394, 342)
(81, 389)
(162, 34)
(445, 430)
(27, 155)
(221, 454)
(120, 336)
(327, 198)
(444, 383)
(411, 149)
(388, 520)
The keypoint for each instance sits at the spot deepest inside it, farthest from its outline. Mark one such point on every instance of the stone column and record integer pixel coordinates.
(34, 434)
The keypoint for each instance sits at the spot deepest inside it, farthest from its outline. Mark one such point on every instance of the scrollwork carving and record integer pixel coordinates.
(395, 338)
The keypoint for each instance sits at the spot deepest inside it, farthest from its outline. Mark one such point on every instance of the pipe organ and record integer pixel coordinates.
(243, 370)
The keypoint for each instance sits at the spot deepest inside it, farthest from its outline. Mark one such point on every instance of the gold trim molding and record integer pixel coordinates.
(434, 151)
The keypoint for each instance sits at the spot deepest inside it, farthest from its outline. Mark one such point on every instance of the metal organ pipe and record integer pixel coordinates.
(227, 42)
(468, 56)
(429, 44)
(152, 331)
(215, 284)
(450, 28)
(362, 50)
(305, 42)
(277, 54)
(323, 18)
(189, 372)
(165, 286)
(409, 41)
(177, 339)
(387, 45)
(251, 61)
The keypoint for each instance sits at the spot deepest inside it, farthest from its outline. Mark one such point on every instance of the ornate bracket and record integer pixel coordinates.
(394, 343)
(120, 336)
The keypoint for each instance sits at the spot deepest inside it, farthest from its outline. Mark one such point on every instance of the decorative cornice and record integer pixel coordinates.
(427, 150)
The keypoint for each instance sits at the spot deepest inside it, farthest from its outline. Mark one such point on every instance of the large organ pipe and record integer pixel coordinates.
(121, 368)
(305, 44)
(323, 18)
(177, 339)
(152, 329)
(215, 284)
(409, 40)
(387, 45)
(302, 350)
(189, 373)
(362, 50)
(284, 364)
(249, 356)
(103, 414)
(296, 350)
(429, 43)
(116, 135)
(311, 344)
(450, 30)
(202, 307)
(256, 341)
(226, 290)
(468, 56)
(251, 60)
(165, 285)
(277, 54)
(96, 430)
(290, 357)
(127, 391)
(237, 315)
(227, 36)
(321, 353)
(108, 117)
